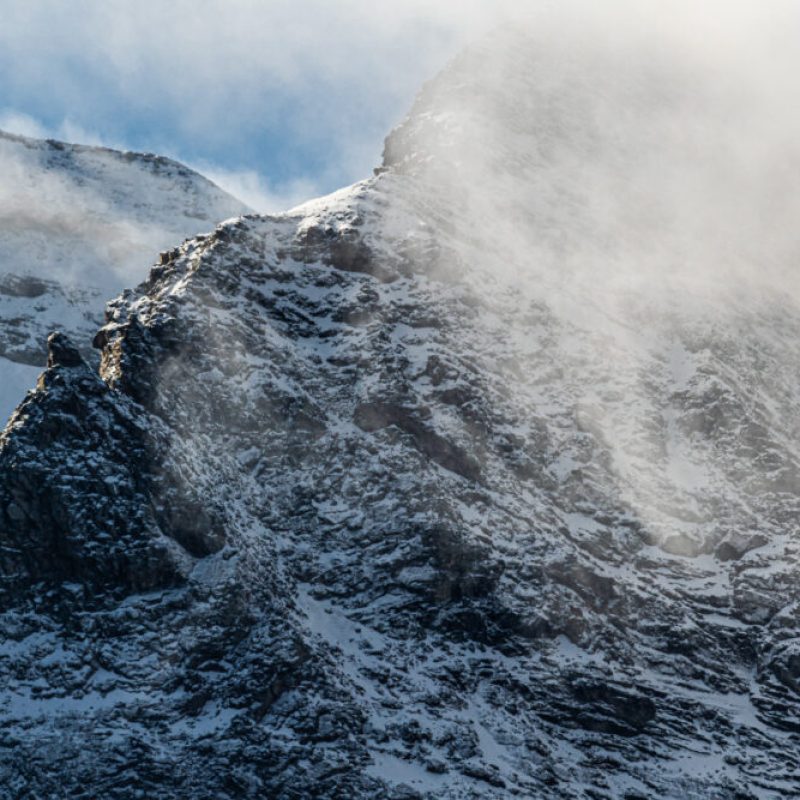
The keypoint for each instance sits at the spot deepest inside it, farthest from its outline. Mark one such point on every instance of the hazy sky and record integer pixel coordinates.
(277, 99)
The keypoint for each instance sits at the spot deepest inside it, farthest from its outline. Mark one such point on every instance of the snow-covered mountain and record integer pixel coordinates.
(477, 479)
(77, 225)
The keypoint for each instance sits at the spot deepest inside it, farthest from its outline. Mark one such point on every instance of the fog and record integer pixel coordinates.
(279, 101)
(634, 175)
(297, 91)
(625, 148)
(658, 140)
(59, 226)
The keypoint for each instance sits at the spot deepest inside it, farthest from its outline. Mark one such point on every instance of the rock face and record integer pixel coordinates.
(371, 499)
(78, 224)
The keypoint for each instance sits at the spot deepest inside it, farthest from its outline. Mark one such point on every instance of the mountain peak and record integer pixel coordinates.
(77, 224)
(430, 488)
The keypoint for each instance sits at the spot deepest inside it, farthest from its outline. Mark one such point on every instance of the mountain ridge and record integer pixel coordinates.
(78, 223)
(373, 510)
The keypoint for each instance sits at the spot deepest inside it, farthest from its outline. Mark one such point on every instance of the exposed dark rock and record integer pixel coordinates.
(607, 709)
(62, 353)
(23, 286)
(375, 416)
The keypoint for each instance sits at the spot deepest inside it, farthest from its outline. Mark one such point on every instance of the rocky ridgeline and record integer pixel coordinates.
(350, 512)
(78, 223)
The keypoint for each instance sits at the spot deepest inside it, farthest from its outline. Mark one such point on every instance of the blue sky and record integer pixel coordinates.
(276, 100)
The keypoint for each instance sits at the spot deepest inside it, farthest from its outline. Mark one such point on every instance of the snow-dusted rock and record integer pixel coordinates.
(421, 491)
(77, 225)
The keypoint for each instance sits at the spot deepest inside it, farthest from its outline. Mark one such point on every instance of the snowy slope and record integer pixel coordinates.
(77, 225)
(476, 479)
(86, 216)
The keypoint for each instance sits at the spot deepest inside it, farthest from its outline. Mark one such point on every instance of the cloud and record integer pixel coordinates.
(22, 124)
(283, 94)
(292, 90)
(633, 179)
(253, 189)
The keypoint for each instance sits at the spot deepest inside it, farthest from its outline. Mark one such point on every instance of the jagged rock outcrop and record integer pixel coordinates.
(77, 224)
(367, 501)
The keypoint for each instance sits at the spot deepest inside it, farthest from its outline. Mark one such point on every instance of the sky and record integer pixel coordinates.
(276, 100)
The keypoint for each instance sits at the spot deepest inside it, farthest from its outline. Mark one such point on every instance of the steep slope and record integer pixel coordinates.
(467, 481)
(77, 225)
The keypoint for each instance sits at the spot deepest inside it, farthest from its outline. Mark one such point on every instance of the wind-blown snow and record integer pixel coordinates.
(94, 217)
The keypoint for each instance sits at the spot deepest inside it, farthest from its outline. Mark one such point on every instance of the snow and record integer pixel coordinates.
(608, 422)
(87, 222)
(397, 771)
(16, 706)
(94, 217)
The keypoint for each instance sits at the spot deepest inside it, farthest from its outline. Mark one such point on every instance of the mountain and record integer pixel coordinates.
(476, 479)
(77, 225)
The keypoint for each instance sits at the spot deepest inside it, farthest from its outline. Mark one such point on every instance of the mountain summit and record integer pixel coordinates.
(77, 225)
(476, 479)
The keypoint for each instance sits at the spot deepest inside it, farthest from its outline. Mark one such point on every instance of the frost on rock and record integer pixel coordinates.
(369, 500)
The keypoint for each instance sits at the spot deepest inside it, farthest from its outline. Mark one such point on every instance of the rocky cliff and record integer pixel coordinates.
(426, 488)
